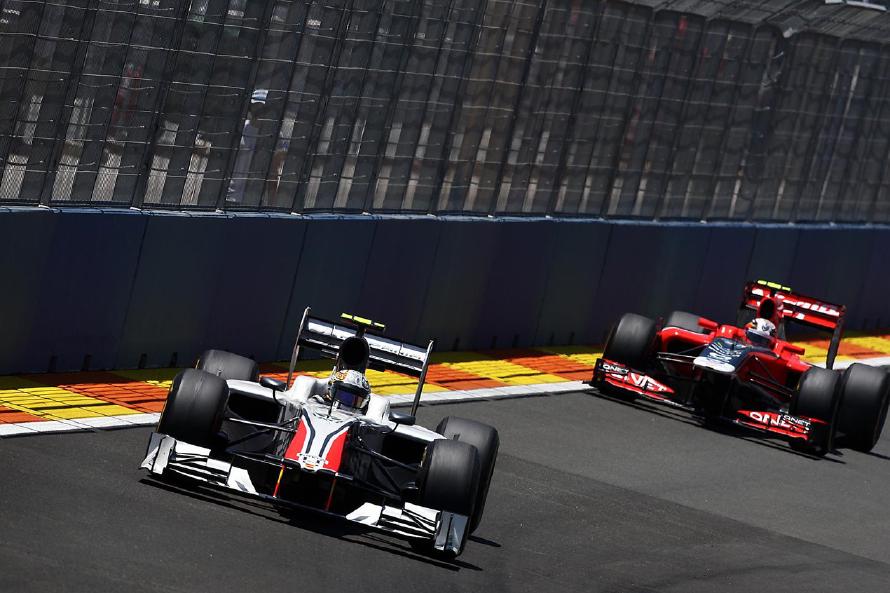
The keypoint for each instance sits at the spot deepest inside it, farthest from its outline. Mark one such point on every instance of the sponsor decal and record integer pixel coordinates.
(785, 422)
(726, 351)
(614, 368)
(642, 383)
(814, 307)
(311, 462)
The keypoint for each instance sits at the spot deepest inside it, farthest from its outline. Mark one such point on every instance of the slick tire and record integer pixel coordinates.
(449, 479)
(818, 396)
(863, 406)
(194, 409)
(228, 366)
(686, 321)
(487, 441)
(631, 341)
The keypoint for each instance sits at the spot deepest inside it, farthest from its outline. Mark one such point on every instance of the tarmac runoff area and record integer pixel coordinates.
(590, 494)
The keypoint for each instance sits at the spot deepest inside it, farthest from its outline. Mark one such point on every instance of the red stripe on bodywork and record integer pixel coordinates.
(297, 442)
(335, 454)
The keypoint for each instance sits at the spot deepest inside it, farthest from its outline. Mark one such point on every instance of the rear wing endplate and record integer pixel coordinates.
(801, 309)
(385, 354)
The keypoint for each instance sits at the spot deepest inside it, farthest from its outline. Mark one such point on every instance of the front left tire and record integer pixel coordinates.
(863, 406)
(817, 396)
(449, 479)
(486, 440)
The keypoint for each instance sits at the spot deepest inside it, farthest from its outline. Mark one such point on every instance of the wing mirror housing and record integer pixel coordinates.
(402, 418)
(793, 349)
(708, 324)
(273, 384)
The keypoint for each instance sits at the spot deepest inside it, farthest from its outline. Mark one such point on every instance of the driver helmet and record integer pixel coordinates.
(761, 332)
(349, 389)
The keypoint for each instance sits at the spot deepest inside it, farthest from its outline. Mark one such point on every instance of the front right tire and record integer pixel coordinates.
(194, 409)
(631, 341)
(228, 366)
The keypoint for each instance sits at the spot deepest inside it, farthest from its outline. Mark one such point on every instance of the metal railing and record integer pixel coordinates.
(535, 107)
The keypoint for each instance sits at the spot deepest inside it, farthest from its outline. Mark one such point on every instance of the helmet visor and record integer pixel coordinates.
(758, 338)
(348, 396)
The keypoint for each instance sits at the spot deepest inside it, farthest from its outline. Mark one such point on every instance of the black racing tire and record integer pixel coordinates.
(684, 320)
(863, 406)
(194, 409)
(631, 341)
(449, 476)
(229, 366)
(449, 479)
(487, 441)
(817, 396)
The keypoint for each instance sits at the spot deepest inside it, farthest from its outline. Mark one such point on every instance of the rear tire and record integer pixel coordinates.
(194, 409)
(818, 397)
(632, 341)
(686, 321)
(228, 366)
(863, 406)
(487, 441)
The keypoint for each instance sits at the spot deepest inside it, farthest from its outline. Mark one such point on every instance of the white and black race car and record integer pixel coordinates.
(329, 444)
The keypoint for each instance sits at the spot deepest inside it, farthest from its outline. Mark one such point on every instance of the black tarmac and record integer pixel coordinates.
(590, 494)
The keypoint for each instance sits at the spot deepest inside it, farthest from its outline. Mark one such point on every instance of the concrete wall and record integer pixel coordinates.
(122, 289)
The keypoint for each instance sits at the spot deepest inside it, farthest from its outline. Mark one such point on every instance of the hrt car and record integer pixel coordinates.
(328, 443)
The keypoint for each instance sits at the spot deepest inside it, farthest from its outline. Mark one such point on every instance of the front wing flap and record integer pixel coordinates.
(782, 424)
(617, 376)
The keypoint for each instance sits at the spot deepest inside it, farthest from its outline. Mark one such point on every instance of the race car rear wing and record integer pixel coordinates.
(798, 308)
(384, 354)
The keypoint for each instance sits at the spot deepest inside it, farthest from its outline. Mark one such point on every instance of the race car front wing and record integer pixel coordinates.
(610, 375)
(446, 530)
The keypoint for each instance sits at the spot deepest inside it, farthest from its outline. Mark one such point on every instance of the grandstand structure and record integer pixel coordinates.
(753, 110)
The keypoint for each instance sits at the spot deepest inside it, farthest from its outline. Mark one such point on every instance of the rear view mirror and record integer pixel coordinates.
(708, 324)
(402, 418)
(273, 384)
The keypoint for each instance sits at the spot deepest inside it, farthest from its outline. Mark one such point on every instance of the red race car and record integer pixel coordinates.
(748, 374)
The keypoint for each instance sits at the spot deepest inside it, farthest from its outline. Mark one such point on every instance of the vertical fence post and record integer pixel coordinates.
(511, 128)
(456, 108)
(563, 163)
(317, 122)
(262, 33)
(171, 60)
(77, 64)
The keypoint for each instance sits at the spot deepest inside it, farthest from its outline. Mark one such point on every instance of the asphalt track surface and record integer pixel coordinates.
(589, 494)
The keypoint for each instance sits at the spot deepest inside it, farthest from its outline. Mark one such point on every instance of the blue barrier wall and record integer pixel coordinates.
(122, 289)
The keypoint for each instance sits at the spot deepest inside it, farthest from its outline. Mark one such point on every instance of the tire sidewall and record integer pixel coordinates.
(486, 440)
